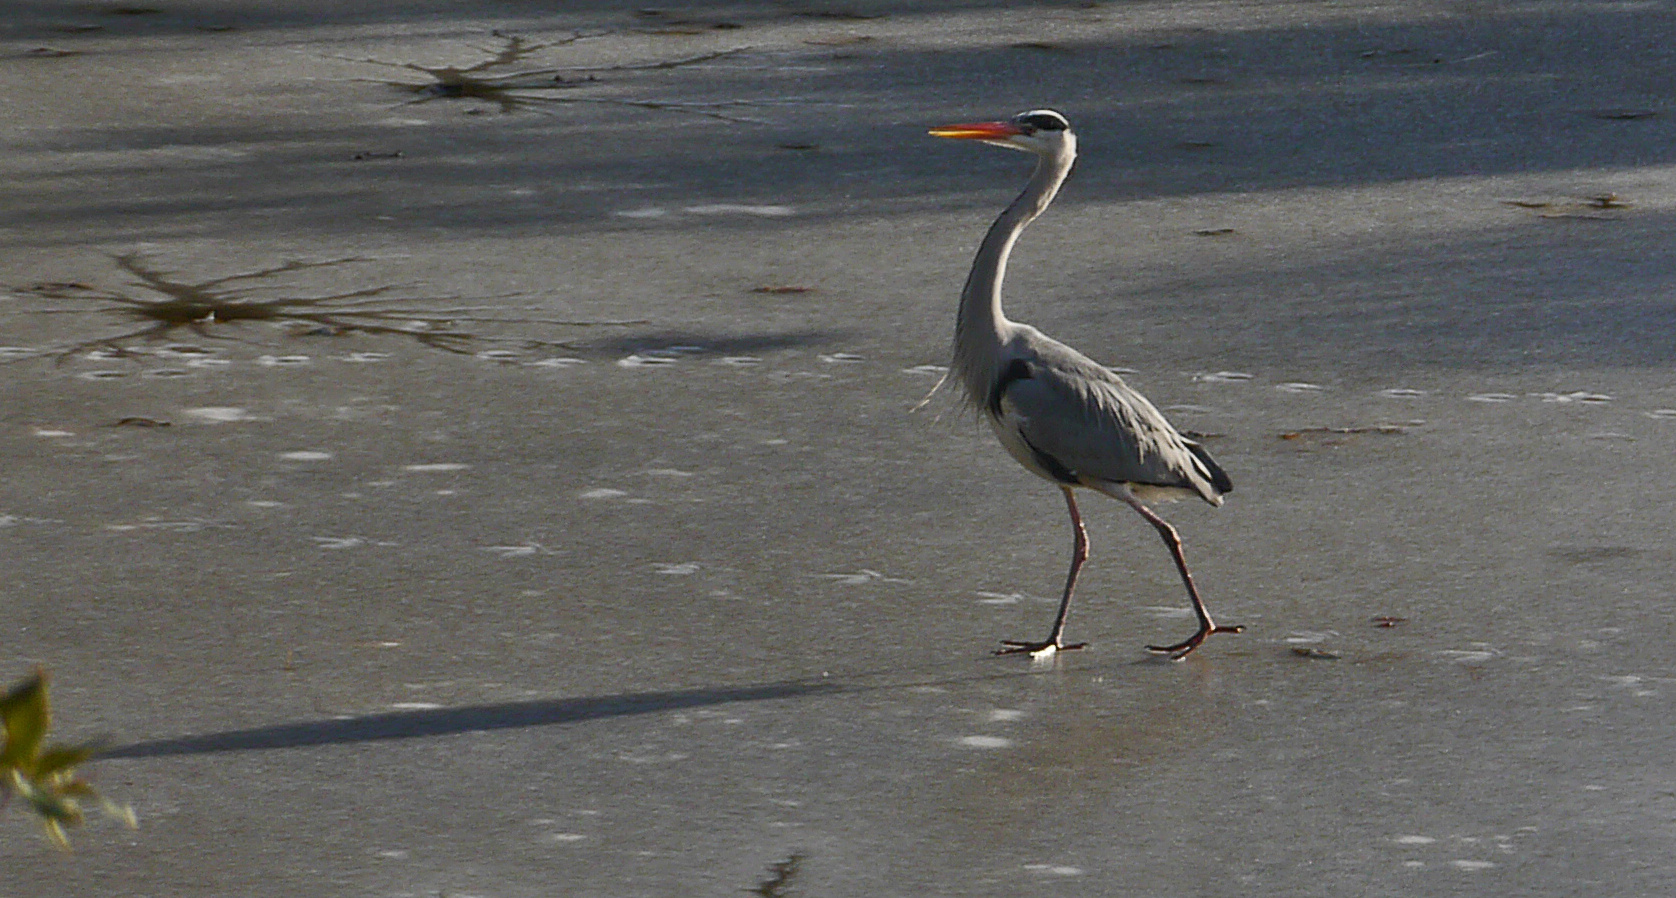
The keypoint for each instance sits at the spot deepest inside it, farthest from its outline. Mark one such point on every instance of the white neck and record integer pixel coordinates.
(981, 327)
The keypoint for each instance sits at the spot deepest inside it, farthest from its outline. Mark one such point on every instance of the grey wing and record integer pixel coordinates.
(1093, 426)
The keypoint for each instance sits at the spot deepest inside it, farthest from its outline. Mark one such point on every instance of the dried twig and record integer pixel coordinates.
(202, 305)
(527, 89)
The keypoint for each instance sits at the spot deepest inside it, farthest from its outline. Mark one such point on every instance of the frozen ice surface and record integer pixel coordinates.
(499, 601)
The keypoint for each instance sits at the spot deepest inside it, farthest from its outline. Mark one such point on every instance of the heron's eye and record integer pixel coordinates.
(1042, 121)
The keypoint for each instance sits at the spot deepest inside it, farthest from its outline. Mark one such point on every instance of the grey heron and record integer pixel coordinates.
(1060, 414)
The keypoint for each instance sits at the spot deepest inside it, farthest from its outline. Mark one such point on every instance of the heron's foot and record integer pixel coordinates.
(1181, 649)
(1036, 649)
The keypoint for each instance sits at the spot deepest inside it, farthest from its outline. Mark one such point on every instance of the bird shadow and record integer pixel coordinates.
(430, 722)
(476, 718)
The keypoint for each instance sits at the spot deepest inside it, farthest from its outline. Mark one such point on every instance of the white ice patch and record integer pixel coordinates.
(558, 362)
(221, 414)
(366, 358)
(1221, 377)
(740, 209)
(645, 360)
(1005, 715)
(435, 467)
(516, 551)
(1578, 396)
(1472, 865)
(1054, 869)
(675, 570)
(1491, 397)
(842, 358)
(12, 520)
(928, 370)
(652, 757)
(862, 576)
(415, 706)
(1636, 684)
(1001, 598)
(1402, 393)
(985, 742)
(1298, 386)
(1463, 656)
(51, 434)
(602, 492)
(305, 455)
(1413, 840)
(654, 213)
(166, 526)
(1308, 637)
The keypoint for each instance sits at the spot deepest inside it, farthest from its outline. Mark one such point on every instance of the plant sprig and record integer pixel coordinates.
(44, 776)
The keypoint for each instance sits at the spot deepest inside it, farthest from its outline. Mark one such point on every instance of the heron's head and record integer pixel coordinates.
(1040, 131)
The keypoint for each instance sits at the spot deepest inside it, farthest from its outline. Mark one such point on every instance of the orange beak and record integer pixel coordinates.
(978, 131)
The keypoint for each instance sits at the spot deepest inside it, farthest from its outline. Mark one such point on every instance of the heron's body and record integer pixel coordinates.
(1063, 416)
(1068, 419)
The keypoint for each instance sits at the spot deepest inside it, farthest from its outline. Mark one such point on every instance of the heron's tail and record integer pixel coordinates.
(1213, 472)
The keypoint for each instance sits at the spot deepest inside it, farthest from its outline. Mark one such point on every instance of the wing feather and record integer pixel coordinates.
(1092, 424)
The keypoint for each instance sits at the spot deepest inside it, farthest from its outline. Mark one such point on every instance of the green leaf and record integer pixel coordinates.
(122, 812)
(49, 803)
(61, 758)
(26, 718)
(44, 778)
(75, 788)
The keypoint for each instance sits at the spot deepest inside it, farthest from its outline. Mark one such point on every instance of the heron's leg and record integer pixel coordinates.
(1079, 554)
(1207, 626)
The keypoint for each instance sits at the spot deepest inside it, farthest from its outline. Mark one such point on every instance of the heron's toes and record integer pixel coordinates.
(1016, 647)
(1181, 649)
